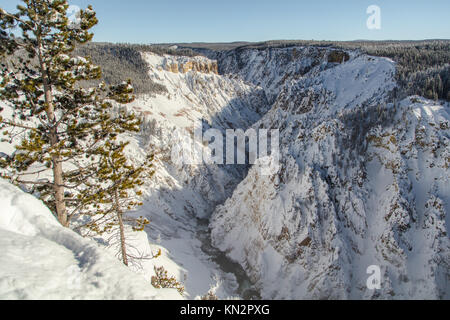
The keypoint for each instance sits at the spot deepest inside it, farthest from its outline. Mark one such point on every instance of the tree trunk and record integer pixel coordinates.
(58, 179)
(59, 192)
(123, 246)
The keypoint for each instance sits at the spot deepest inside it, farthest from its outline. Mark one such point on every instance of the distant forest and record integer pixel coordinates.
(423, 66)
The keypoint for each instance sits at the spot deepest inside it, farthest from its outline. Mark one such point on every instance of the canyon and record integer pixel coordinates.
(363, 178)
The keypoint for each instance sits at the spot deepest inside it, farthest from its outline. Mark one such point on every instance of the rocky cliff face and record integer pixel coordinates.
(181, 64)
(181, 195)
(363, 181)
(273, 67)
(363, 178)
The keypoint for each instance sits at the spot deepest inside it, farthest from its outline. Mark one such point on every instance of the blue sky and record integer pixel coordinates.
(166, 21)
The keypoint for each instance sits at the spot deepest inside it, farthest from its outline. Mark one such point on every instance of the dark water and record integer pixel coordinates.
(246, 289)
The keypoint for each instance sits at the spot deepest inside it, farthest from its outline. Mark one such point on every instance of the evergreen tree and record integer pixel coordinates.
(118, 190)
(62, 126)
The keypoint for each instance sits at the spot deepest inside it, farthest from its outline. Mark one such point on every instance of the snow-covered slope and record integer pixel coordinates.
(362, 182)
(218, 100)
(355, 187)
(180, 196)
(271, 68)
(42, 260)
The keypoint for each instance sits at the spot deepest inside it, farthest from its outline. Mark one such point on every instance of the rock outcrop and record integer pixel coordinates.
(181, 64)
(338, 56)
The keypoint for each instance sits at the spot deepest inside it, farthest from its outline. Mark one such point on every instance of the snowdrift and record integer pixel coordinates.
(42, 260)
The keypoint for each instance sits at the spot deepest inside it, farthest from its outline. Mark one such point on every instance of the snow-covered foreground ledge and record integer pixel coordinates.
(42, 260)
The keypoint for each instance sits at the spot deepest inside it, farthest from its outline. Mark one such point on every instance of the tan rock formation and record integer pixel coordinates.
(193, 65)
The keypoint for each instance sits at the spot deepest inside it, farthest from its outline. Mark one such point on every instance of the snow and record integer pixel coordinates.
(42, 260)
(309, 230)
(360, 203)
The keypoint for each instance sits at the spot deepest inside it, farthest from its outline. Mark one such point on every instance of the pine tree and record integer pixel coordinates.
(62, 126)
(119, 189)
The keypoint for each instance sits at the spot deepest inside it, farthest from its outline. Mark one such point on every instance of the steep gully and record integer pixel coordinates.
(246, 289)
(267, 77)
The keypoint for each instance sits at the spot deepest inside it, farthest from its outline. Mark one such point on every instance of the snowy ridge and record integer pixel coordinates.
(362, 182)
(271, 68)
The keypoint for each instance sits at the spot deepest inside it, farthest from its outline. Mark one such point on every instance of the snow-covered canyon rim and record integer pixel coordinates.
(363, 180)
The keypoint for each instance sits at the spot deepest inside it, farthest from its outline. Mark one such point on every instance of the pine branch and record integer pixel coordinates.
(18, 125)
(35, 183)
(2, 11)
